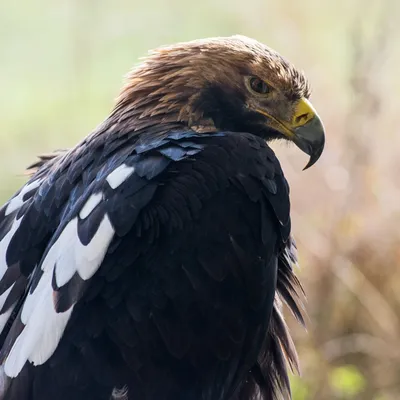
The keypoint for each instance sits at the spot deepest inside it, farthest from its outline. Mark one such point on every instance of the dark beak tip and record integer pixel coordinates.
(314, 157)
(309, 164)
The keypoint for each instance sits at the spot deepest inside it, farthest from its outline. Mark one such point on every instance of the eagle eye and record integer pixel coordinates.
(258, 86)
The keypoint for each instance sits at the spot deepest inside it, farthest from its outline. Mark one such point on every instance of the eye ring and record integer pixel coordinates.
(258, 86)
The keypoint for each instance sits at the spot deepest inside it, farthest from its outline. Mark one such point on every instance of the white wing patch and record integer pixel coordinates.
(16, 202)
(44, 326)
(13, 205)
(4, 243)
(43, 330)
(90, 205)
(4, 317)
(119, 175)
(83, 259)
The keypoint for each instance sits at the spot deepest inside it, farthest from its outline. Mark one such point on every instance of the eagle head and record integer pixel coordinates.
(225, 83)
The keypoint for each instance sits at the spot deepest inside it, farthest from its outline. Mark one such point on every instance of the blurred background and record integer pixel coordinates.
(61, 66)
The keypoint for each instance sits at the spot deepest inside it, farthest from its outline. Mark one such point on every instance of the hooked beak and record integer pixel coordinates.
(308, 131)
(305, 129)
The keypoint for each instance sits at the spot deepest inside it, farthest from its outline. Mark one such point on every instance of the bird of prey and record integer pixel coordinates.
(150, 261)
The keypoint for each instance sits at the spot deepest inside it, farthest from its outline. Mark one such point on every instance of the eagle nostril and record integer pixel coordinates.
(302, 119)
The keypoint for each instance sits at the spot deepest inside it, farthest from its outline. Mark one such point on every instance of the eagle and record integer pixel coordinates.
(151, 261)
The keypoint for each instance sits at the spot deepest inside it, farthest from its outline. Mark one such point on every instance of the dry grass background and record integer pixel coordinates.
(61, 64)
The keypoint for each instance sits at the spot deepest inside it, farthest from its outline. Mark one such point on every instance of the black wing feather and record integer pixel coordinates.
(185, 292)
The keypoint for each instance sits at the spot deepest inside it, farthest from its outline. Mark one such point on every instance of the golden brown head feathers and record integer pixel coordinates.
(195, 83)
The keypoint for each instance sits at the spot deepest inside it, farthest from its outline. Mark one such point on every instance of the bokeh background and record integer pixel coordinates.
(61, 65)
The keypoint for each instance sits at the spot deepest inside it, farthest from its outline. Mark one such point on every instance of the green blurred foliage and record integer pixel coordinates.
(300, 389)
(62, 64)
(347, 381)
